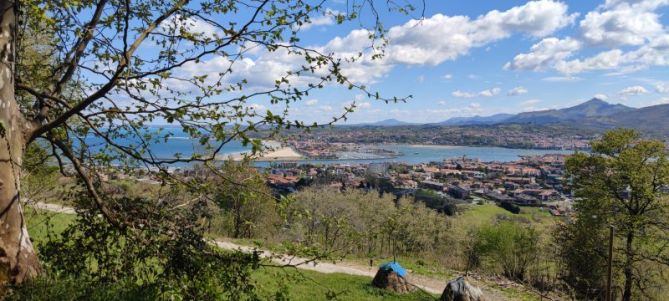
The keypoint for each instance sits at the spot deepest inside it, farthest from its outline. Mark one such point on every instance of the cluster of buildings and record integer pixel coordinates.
(543, 142)
(529, 136)
(529, 181)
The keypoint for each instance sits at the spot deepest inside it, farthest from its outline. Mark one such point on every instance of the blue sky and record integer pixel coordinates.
(468, 58)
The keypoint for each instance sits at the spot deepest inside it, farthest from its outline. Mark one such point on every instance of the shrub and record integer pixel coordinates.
(159, 253)
(510, 207)
(363, 223)
(506, 245)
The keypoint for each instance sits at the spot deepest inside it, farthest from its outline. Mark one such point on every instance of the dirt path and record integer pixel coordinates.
(52, 207)
(435, 286)
(429, 284)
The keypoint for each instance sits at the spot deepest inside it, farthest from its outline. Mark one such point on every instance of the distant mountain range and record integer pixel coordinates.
(593, 108)
(653, 120)
(594, 113)
(497, 118)
(385, 122)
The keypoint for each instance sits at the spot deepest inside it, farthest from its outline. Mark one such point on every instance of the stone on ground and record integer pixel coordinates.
(461, 290)
(392, 277)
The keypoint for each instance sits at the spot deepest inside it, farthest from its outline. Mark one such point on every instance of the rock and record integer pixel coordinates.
(392, 281)
(461, 290)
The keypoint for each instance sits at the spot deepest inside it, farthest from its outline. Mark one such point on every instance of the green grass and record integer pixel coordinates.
(414, 265)
(473, 216)
(41, 222)
(519, 295)
(308, 285)
(299, 284)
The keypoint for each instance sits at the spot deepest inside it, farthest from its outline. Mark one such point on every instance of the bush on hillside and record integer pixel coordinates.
(437, 202)
(510, 207)
(507, 246)
(363, 223)
(159, 253)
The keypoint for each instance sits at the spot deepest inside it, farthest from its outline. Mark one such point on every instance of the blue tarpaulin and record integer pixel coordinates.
(395, 267)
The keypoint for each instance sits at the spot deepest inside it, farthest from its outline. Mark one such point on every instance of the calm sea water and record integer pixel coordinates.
(428, 153)
(178, 142)
(181, 143)
(414, 154)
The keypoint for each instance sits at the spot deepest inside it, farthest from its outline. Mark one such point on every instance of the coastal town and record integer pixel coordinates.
(529, 136)
(529, 181)
(536, 181)
(351, 150)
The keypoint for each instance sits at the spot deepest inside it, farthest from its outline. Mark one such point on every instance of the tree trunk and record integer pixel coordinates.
(18, 261)
(238, 219)
(627, 271)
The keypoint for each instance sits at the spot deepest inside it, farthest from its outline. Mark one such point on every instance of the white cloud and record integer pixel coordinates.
(447, 76)
(529, 105)
(655, 53)
(602, 61)
(601, 96)
(544, 54)
(530, 102)
(638, 4)
(662, 87)
(471, 109)
(490, 92)
(440, 38)
(633, 91)
(193, 25)
(540, 58)
(537, 18)
(484, 93)
(618, 25)
(260, 72)
(354, 41)
(428, 41)
(258, 108)
(365, 69)
(328, 18)
(568, 78)
(517, 91)
(463, 94)
(311, 102)
(623, 25)
(661, 101)
(363, 105)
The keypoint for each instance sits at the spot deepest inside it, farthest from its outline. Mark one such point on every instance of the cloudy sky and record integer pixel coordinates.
(476, 57)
